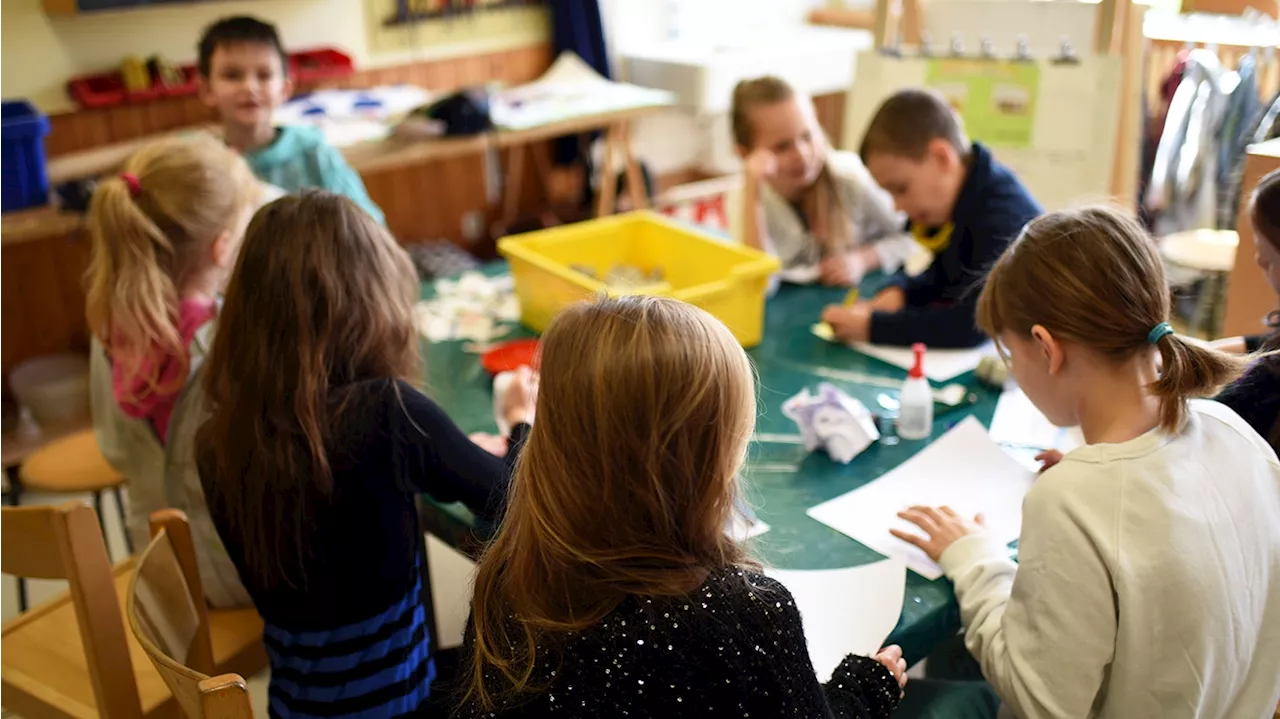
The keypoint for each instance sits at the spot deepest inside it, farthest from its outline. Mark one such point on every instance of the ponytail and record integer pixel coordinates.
(152, 226)
(1190, 369)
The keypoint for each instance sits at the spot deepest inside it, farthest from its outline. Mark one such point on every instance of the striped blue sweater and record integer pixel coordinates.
(353, 640)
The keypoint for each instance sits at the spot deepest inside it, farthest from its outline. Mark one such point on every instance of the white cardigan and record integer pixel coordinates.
(1148, 583)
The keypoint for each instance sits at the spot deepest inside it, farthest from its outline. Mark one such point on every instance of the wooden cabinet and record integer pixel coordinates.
(1249, 297)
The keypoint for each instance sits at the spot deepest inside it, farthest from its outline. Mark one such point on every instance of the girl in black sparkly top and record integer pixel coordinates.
(612, 589)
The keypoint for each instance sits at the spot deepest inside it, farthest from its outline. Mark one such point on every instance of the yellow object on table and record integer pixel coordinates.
(727, 280)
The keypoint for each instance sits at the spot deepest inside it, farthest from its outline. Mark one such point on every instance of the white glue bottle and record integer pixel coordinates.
(915, 404)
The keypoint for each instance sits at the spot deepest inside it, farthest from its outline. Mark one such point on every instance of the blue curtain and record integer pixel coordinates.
(576, 26)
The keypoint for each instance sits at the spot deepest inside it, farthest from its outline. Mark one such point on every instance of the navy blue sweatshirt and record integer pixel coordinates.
(1256, 395)
(990, 211)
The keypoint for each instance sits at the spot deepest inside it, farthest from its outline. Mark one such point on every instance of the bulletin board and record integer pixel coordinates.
(487, 26)
(1052, 123)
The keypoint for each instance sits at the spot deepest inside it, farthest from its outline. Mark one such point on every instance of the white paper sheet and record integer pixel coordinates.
(963, 469)
(845, 611)
(939, 365)
(1018, 423)
(452, 580)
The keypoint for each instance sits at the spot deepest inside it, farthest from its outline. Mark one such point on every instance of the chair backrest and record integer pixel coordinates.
(65, 542)
(168, 617)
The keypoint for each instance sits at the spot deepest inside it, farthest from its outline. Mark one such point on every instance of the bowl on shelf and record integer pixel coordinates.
(54, 388)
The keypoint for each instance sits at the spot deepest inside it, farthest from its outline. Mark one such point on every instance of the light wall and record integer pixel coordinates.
(38, 53)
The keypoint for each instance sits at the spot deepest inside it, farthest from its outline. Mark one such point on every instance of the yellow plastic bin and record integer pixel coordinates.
(727, 280)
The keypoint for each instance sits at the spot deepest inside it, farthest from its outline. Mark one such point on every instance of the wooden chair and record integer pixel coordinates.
(65, 543)
(74, 465)
(46, 672)
(168, 617)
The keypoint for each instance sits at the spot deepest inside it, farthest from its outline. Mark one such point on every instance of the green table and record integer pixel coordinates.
(782, 479)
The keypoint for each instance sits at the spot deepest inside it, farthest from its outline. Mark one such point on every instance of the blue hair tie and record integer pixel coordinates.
(1158, 332)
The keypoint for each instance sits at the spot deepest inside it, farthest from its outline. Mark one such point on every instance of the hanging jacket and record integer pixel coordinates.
(1183, 187)
(1241, 112)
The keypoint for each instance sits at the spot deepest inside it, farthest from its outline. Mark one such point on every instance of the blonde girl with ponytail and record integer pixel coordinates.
(1147, 581)
(165, 234)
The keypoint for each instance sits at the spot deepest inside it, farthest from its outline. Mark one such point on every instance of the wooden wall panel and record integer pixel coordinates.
(830, 111)
(42, 310)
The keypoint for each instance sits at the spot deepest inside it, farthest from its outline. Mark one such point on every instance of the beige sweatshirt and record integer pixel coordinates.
(1148, 583)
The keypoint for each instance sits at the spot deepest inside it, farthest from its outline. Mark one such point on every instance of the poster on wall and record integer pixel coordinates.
(1052, 123)
(434, 29)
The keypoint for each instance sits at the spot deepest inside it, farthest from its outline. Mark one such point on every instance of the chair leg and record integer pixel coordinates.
(124, 518)
(102, 521)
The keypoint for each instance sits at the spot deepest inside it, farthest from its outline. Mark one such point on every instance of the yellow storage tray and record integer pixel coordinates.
(727, 280)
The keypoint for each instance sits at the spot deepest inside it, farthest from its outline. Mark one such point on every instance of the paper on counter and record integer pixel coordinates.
(939, 365)
(963, 469)
(845, 611)
(1018, 423)
(452, 574)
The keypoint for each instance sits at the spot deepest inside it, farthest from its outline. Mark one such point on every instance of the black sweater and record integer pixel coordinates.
(990, 211)
(1256, 395)
(734, 647)
(354, 638)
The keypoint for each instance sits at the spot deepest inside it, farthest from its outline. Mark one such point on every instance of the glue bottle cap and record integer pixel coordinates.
(917, 368)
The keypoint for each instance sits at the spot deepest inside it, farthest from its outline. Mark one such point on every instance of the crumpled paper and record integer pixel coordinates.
(472, 307)
(833, 421)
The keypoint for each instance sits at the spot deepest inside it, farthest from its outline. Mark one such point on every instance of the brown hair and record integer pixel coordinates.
(152, 231)
(1092, 276)
(908, 121)
(750, 93)
(1264, 208)
(625, 486)
(321, 298)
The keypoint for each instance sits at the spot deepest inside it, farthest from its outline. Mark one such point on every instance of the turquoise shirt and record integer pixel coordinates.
(300, 158)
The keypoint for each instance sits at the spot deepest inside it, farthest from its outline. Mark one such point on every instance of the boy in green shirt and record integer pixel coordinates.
(244, 75)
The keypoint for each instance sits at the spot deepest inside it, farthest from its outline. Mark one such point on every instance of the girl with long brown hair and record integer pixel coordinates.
(612, 587)
(801, 203)
(1147, 583)
(315, 448)
(165, 235)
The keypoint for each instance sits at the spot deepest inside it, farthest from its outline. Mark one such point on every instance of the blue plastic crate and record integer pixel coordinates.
(23, 180)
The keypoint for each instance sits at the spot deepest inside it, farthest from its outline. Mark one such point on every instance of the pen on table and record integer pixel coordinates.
(851, 299)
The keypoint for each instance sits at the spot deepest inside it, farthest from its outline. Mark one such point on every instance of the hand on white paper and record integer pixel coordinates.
(891, 658)
(1048, 458)
(521, 397)
(942, 528)
(491, 443)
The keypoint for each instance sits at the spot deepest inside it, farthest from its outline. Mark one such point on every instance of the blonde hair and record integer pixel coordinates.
(829, 203)
(321, 299)
(151, 226)
(625, 486)
(1092, 276)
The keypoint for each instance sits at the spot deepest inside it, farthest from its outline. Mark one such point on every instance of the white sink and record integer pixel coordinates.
(815, 60)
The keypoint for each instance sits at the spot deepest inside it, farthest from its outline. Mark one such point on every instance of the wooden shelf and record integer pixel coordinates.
(843, 17)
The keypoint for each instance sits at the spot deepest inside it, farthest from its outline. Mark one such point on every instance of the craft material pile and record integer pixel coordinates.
(472, 307)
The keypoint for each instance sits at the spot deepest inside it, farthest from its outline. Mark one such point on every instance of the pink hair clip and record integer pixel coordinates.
(131, 180)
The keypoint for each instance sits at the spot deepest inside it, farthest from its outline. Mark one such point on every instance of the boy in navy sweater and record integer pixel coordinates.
(961, 204)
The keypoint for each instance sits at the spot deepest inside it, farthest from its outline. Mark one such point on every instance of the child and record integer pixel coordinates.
(612, 587)
(1147, 584)
(316, 447)
(165, 233)
(1256, 397)
(799, 205)
(963, 206)
(244, 75)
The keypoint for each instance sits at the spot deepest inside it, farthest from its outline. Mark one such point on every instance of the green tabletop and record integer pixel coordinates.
(782, 480)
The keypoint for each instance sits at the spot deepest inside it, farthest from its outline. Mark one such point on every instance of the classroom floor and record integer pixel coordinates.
(450, 578)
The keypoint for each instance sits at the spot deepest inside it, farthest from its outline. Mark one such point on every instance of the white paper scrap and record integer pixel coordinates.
(452, 577)
(963, 469)
(939, 365)
(1018, 423)
(845, 611)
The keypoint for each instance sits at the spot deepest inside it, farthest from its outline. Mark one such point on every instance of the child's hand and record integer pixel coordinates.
(761, 164)
(1048, 458)
(851, 324)
(891, 658)
(521, 396)
(942, 525)
(491, 443)
(842, 270)
(890, 299)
